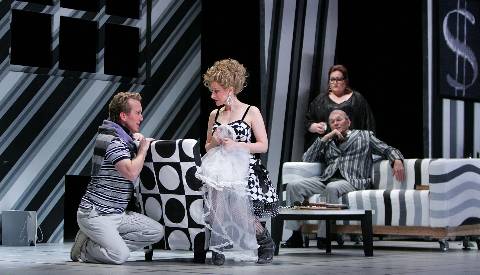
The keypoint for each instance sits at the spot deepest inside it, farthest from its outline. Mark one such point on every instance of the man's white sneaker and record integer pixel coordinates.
(80, 240)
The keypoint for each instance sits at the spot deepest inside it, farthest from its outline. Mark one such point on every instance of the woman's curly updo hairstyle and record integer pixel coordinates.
(228, 73)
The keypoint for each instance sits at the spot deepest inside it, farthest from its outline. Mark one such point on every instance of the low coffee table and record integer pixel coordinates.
(364, 216)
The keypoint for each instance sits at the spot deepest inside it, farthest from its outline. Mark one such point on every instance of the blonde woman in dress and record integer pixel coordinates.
(226, 79)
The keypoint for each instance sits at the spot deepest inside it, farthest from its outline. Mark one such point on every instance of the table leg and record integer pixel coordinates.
(328, 240)
(367, 233)
(277, 231)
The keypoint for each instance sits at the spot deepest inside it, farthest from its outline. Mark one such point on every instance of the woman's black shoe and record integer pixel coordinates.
(266, 248)
(217, 258)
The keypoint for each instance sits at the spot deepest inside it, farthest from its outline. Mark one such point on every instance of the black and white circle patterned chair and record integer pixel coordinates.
(171, 194)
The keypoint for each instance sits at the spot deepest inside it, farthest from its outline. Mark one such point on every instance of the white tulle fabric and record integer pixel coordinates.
(225, 168)
(228, 212)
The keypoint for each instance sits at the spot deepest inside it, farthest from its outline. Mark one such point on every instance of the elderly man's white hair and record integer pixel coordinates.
(339, 112)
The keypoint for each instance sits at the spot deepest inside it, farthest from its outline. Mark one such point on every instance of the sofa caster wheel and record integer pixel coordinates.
(443, 246)
(306, 241)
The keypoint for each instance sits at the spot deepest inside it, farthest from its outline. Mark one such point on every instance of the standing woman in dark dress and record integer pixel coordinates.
(226, 79)
(339, 96)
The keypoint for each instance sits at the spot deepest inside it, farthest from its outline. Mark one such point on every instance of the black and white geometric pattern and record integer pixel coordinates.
(262, 192)
(172, 195)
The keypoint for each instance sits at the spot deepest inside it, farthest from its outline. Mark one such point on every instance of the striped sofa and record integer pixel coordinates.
(440, 198)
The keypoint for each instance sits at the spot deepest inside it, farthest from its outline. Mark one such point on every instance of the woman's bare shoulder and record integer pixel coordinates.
(214, 112)
(254, 109)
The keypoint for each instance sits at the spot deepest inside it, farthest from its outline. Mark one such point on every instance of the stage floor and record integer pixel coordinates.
(390, 257)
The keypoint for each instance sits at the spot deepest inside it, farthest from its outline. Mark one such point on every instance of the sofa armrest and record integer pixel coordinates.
(293, 171)
(416, 175)
(454, 192)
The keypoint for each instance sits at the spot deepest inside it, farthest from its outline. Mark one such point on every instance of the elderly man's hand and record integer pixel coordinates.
(335, 134)
(398, 170)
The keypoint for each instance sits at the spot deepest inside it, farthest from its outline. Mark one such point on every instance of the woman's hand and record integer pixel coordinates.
(318, 128)
(230, 144)
(216, 140)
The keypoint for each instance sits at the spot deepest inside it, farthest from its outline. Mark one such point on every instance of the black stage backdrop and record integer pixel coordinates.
(381, 46)
(230, 29)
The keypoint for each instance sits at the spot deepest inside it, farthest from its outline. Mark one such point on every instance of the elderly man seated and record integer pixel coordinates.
(348, 155)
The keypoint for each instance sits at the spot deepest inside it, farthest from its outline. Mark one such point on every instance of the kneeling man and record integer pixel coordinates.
(108, 232)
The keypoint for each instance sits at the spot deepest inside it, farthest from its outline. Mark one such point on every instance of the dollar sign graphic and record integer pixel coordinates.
(461, 49)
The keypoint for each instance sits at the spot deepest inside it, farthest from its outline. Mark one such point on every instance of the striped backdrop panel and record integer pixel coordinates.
(455, 192)
(293, 35)
(48, 122)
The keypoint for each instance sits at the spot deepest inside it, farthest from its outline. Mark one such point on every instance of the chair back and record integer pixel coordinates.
(172, 195)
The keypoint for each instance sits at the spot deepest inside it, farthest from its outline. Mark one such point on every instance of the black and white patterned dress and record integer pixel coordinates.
(262, 192)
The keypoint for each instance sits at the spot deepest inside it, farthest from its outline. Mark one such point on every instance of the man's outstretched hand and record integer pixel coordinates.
(398, 170)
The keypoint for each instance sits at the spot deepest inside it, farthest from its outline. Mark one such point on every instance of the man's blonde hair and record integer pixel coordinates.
(228, 73)
(119, 103)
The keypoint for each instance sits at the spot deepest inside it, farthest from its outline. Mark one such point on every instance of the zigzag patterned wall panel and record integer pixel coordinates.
(49, 121)
(454, 192)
